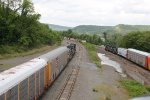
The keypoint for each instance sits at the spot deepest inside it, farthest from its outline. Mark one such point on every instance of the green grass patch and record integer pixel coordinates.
(15, 51)
(91, 48)
(134, 88)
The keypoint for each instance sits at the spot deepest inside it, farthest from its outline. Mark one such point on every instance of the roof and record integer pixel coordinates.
(13, 76)
(54, 53)
(140, 52)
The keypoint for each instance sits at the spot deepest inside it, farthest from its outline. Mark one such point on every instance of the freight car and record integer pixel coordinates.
(111, 48)
(139, 57)
(23, 82)
(28, 81)
(72, 48)
(122, 52)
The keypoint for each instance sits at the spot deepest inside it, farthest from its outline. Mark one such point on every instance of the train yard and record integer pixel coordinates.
(133, 70)
(82, 80)
(66, 90)
(31, 79)
(64, 85)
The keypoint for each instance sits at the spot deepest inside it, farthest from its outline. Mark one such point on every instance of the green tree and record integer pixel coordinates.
(19, 25)
(137, 40)
(105, 36)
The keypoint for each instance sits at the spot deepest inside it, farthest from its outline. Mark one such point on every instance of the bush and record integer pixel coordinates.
(21, 27)
(6, 49)
(134, 88)
(137, 40)
(148, 88)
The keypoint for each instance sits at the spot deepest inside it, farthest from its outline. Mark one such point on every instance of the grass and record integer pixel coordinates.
(14, 51)
(134, 88)
(105, 90)
(91, 48)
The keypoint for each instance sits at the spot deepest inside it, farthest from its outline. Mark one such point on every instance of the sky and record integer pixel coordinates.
(93, 12)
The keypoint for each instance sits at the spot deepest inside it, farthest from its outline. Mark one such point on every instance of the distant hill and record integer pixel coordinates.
(121, 28)
(59, 27)
(94, 29)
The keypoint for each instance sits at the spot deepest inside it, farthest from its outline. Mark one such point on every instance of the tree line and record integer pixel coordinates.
(19, 25)
(91, 38)
(137, 40)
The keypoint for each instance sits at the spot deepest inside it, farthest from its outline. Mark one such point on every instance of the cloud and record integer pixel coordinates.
(95, 12)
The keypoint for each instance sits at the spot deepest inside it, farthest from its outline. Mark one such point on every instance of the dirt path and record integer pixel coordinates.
(96, 84)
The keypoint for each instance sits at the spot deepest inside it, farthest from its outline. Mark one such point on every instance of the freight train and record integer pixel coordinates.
(139, 57)
(29, 81)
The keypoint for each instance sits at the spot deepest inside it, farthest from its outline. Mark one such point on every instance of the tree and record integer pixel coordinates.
(19, 25)
(137, 40)
(105, 36)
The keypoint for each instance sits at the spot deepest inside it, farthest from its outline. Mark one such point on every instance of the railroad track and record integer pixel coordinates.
(65, 92)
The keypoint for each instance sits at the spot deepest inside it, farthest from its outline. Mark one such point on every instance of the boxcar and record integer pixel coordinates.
(139, 57)
(29, 80)
(56, 61)
(72, 50)
(23, 82)
(149, 63)
(122, 52)
(111, 48)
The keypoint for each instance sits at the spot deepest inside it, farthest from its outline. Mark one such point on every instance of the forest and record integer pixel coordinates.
(21, 30)
(20, 27)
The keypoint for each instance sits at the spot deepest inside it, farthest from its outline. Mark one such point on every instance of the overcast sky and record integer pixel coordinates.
(93, 12)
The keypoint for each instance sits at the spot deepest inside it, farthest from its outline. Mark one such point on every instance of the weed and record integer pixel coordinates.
(134, 88)
(92, 53)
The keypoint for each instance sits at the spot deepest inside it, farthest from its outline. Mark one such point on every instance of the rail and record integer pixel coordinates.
(65, 92)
